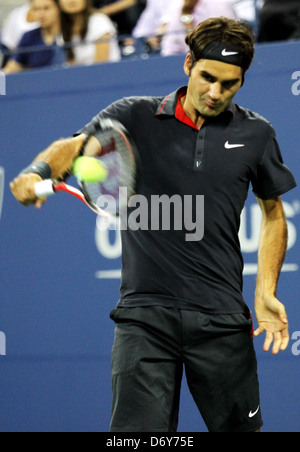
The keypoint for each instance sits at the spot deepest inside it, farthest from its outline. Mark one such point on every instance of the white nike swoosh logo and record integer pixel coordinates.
(255, 413)
(233, 146)
(225, 53)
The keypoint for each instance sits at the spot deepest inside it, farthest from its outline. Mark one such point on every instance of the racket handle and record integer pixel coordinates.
(44, 189)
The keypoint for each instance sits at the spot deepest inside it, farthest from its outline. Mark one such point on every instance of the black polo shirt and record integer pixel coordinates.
(230, 152)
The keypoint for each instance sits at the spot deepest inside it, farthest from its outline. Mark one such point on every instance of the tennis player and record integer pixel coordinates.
(181, 302)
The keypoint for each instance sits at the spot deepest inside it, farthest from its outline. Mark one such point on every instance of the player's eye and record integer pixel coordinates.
(208, 78)
(229, 85)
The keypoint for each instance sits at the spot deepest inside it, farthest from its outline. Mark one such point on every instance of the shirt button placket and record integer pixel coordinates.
(199, 151)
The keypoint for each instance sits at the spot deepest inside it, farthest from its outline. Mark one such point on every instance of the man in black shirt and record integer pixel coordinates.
(181, 299)
(279, 20)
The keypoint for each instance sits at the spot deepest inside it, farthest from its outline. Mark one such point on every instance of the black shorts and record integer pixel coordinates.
(152, 344)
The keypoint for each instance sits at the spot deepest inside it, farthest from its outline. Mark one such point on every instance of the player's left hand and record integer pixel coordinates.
(272, 318)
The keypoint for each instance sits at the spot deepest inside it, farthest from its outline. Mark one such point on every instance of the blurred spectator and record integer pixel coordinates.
(246, 10)
(38, 47)
(125, 13)
(18, 22)
(279, 20)
(185, 15)
(153, 22)
(90, 38)
(296, 34)
(2, 47)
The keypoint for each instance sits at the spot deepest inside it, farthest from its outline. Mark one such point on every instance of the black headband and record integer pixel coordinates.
(223, 52)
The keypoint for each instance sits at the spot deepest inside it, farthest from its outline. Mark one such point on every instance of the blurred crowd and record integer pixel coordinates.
(41, 33)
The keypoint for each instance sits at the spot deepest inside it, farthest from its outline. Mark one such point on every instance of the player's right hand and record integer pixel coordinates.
(23, 190)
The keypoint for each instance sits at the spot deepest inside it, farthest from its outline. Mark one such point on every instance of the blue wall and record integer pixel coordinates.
(55, 299)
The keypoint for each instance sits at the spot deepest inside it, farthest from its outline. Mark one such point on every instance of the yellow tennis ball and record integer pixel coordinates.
(89, 169)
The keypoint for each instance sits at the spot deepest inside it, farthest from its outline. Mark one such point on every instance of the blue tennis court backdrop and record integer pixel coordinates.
(60, 274)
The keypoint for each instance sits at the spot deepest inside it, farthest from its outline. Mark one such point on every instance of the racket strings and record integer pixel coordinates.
(118, 157)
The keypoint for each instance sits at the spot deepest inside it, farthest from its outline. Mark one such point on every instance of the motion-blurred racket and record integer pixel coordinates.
(119, 156)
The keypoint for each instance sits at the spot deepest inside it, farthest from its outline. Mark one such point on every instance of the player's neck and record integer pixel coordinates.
(193, 114)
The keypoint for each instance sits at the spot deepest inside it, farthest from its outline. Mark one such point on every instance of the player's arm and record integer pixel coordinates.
(54, 162)
(271, 314)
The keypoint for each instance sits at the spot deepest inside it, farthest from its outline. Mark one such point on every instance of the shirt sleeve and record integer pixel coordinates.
(273, 178)
(119, 111)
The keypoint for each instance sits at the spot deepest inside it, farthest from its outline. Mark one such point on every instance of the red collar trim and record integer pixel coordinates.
(181, 115)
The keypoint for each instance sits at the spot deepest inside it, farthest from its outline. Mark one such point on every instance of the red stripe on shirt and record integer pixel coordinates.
(163, 105)
(181, 115)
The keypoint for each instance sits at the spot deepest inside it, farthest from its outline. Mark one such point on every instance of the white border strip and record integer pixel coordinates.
(2, 180)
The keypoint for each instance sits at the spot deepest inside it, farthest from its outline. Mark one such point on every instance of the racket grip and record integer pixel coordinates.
(44, 189)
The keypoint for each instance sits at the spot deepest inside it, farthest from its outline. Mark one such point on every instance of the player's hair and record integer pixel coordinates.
(236, 33)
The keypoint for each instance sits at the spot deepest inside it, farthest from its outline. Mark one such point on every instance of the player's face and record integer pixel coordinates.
(212, 86)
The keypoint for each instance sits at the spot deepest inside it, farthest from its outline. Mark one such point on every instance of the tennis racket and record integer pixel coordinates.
(119, 156)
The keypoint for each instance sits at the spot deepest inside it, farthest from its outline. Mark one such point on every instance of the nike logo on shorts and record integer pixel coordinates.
(251, 415)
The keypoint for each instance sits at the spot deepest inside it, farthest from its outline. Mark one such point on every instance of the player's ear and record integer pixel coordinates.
(188, 64)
